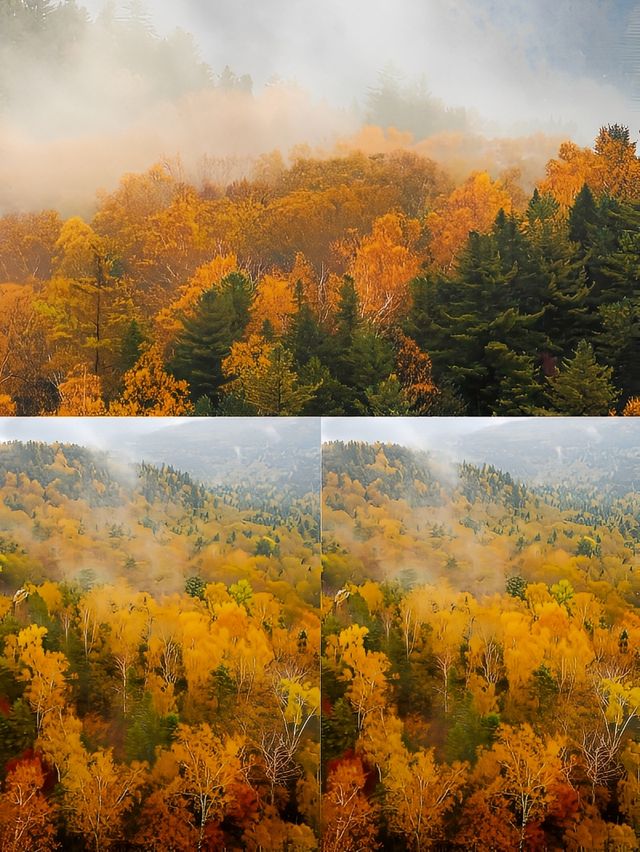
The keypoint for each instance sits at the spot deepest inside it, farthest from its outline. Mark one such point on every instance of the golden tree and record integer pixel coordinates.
(383, 265)
(27, 818)
(81, 395)
(150, 391)
(349, 819)
(523, 769)
(98, 794)
(209, 767)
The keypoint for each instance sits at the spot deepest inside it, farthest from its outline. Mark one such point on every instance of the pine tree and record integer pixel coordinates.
(618, 342)
(369, 359)
(131, 346)
(555, 287)
(584, 218)
(388, 399)
(304, 338)
(518, 391)
(479, 306)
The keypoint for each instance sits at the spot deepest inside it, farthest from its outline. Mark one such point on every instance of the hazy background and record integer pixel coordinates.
(422, 433)
(571, 452)
(84, 98)
(254, 452)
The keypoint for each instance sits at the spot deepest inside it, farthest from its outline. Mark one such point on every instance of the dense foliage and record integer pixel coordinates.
(349, 285)
(480, 658)
(159, 670)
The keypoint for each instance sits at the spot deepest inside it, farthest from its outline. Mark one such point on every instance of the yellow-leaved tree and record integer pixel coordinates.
(150, 391)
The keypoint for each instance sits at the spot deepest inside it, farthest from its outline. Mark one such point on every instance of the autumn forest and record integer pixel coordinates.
(352, 285)
(159, 668)
(319, 393)
(413, 267)
(480, 654)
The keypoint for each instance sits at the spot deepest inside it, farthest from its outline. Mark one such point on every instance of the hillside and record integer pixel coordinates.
(276, 453)
(481, 678)
(159, 678)
(590, 451)
(410, 516)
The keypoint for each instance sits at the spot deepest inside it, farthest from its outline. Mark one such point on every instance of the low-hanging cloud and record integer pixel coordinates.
(117, 96)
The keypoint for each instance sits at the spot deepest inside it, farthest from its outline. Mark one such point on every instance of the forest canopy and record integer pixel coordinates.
(480, 666)
(159, 669)
(354, 284)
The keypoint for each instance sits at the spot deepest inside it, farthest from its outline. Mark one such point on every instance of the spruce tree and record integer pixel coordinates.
(131, 346)
(518, 390)
(203, 344)
(220, 318)
(480, 310)
(584, 219)
(582, 387)
(277, 390)
(304, 338)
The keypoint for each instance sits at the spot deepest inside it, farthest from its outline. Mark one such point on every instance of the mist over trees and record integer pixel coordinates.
(479, 668)
(348, 285)
(159, 677)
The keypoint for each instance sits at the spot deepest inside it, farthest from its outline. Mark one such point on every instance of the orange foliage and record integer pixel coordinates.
(612, 168)
(349, 819)
(150, 391)
(26, 817)
(414, 372)
(275, 302)
(169, 319)
(81, 395)
(471, 207)
(632, 408)
(384, 263)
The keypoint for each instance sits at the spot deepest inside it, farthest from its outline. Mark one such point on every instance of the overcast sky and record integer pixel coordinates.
(119, 433)
(101, 432)
(427, 433)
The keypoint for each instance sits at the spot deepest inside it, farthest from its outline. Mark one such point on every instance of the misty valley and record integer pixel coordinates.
(159, 639)
(481, 636)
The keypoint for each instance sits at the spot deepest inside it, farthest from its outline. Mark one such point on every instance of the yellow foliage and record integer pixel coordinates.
(471, 207)
(383, 265)
(274, 301)
(170, 319)
(7, 406)
(150, 391)
(81, 395)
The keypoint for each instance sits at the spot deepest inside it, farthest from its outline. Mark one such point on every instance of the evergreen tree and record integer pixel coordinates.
(277, 390)
(582, 387)
(618, 342)
(332, 398)
(369, 359)
(203, 344)
(584, 219)
(518, 390)
(346, 313)
(480, 310)
(304, 337)
(131, 347)
(388, 399)
(555, 286)
(426, 321)
(221, 315)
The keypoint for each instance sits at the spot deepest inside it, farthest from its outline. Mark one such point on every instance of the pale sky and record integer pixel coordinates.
(116, 433)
